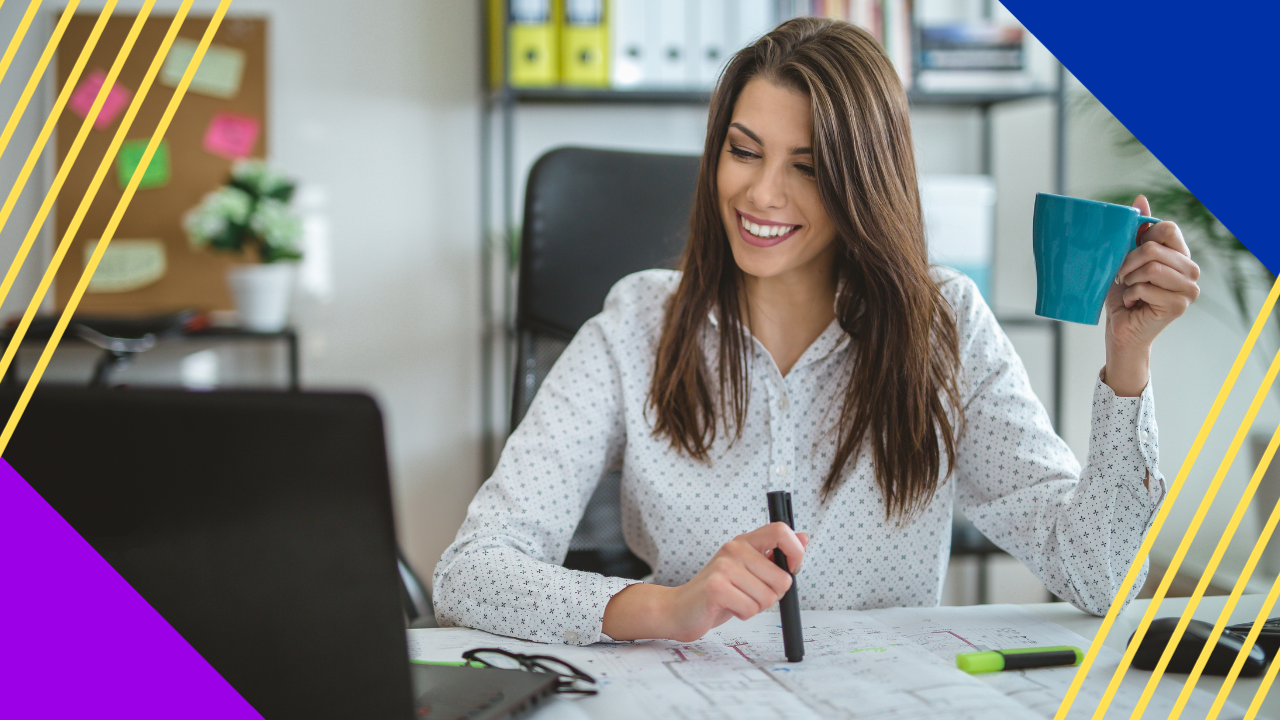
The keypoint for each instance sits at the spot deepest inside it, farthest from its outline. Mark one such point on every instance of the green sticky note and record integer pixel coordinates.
(130, 156)
(219, 72)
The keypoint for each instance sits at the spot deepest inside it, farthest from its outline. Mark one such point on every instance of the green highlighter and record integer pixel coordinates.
(1020, 659)
(449, 663)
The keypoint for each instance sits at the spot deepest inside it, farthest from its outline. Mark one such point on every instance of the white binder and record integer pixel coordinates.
(630, 61)
(710, 40)
(669, 42)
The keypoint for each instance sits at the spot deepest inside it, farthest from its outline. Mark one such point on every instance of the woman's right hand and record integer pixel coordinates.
(739, 581)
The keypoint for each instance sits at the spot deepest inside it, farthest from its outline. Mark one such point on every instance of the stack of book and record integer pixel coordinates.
(888, 20)
(972, 57)
(684, 44)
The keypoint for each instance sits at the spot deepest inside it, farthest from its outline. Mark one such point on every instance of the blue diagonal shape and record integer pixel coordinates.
(1195, 82)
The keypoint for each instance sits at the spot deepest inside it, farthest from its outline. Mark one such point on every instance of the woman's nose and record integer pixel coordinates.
(767, 190)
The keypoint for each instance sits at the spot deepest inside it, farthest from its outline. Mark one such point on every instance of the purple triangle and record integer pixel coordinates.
(78, 640)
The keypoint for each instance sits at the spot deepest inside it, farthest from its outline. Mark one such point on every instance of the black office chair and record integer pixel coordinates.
(592, 217)
(415, 597)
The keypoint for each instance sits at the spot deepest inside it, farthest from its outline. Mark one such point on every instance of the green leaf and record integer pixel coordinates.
(270, 254)
(284, 193)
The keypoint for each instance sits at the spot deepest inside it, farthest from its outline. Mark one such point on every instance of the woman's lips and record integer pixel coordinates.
(750, 239)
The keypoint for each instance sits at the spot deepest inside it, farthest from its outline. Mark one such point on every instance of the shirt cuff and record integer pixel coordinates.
(596, 592)
(1125, 438)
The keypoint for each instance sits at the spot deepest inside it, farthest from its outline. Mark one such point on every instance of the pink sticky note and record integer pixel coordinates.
(81, 101)
(231, 136)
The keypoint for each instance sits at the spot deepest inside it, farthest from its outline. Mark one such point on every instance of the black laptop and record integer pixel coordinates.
(259, 525)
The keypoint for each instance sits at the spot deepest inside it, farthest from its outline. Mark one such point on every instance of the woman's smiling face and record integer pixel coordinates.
(767, 190)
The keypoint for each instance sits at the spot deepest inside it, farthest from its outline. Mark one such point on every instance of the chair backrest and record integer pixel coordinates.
(592, 217)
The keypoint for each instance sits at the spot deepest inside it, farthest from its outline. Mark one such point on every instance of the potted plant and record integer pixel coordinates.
(250, 216)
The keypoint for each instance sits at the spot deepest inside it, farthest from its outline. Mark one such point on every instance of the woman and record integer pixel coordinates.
(807, 345)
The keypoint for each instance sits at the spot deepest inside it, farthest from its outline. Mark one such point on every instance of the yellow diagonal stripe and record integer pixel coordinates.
(1230, 606)
(1242, 432)
(116, 216)
(38, 149)
(16, 41)
(36, 74)
(1144, 550)
(33, 307)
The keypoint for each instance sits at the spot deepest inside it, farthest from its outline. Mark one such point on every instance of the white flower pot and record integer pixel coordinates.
(262, 293)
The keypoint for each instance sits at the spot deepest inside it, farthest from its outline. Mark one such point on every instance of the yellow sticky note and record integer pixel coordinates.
(128, 264)
(219, 72)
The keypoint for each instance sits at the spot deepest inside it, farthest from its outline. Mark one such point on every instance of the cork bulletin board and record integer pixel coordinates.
(187, 278)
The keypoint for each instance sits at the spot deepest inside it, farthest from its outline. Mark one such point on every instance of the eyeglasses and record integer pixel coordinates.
(571, 678)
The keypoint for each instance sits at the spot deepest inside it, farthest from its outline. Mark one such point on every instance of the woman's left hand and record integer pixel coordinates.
(1156, 283)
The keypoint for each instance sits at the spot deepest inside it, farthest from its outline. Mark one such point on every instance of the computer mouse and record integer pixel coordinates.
(1189, 648)
(1268, 637)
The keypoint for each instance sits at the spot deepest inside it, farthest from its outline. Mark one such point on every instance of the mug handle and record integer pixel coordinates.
(1143, 219)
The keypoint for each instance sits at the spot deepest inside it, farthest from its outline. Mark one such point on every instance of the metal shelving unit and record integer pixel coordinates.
(499, 109)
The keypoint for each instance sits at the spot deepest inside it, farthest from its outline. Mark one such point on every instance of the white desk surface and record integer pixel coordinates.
(1246, 610)
(1081, 623)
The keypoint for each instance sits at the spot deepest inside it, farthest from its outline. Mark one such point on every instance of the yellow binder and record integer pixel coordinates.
(532, 47)
(584, 43)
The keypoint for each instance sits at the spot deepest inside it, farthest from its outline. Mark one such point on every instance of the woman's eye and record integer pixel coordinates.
(740, 153)
(806, 170)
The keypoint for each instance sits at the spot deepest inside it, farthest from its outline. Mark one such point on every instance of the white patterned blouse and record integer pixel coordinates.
(1015, 479)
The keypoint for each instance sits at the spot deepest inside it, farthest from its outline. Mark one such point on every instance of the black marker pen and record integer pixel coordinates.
(789, 605)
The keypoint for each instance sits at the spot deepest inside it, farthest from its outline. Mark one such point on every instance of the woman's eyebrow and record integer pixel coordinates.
(755, 137)
(747, 132)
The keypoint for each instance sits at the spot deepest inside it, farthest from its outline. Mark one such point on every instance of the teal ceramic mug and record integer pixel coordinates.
(1079, 247)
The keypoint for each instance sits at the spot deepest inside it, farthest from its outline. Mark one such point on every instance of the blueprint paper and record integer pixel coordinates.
(891, 664)
(854, 667)
(945, 631)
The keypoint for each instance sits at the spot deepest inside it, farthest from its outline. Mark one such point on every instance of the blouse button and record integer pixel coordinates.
(1142, 435)
(781, 470)
(782, 403)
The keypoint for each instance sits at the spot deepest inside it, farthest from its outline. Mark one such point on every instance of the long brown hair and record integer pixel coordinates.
(903, 374)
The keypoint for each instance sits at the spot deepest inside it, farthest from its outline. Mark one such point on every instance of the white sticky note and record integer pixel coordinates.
(128, 264)
(219, 72)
